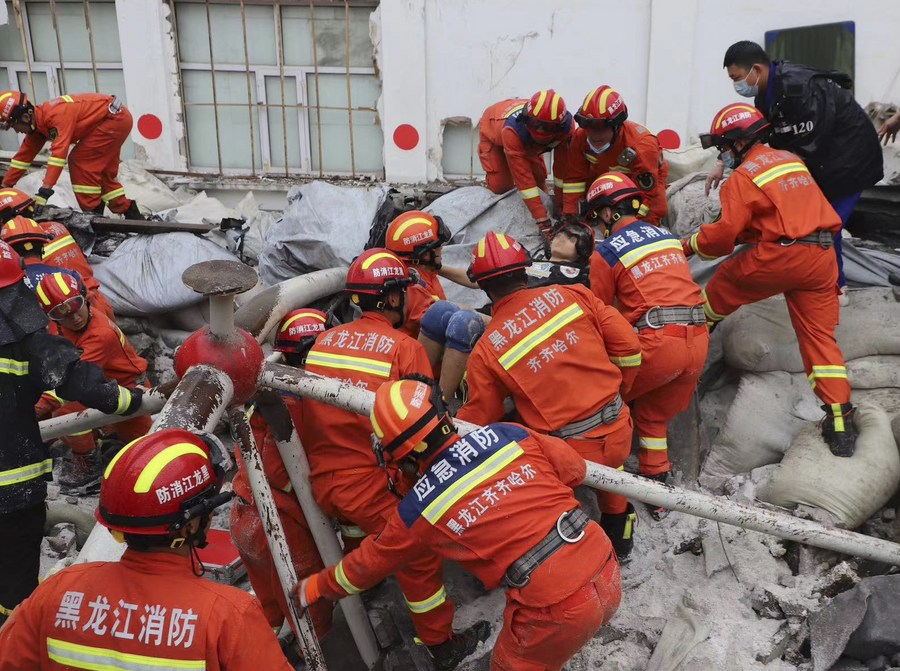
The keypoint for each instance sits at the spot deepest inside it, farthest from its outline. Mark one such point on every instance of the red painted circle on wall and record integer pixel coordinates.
(150, 126)
(406, 137)
(668, 139)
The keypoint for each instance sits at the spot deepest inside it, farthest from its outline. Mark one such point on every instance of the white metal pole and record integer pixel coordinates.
(65, 425)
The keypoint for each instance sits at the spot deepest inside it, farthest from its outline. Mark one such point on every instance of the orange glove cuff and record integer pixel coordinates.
(311, 591)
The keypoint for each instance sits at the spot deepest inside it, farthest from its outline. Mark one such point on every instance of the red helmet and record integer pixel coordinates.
(298, 330)
(546, 116)
(13, 203)
(10, 266)
(376, 272)
(602, 107)
(496, 254)
(609, 190)
(409, 415)
(60, 295)
(152, 483)
(415, 233)
(737, 121)
(22, 230)
(12, 105)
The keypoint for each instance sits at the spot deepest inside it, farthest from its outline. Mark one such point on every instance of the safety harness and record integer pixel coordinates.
(608, 414)
(569, 530)
(658, 317)
(823, 238)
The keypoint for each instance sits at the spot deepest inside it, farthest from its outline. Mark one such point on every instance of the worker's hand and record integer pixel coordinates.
(307, 591)
(714, 176)
(888, 131)
(686, 246)
(40, 199)
(135, 403)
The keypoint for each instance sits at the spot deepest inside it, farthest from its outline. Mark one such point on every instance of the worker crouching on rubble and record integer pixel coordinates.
(643, 270)
(446, 331)
(152, 609)
(64, 298)
(500, 503)
(31, 361)
(96, 124)
(565, 358)
(295, 335)
(772, 202)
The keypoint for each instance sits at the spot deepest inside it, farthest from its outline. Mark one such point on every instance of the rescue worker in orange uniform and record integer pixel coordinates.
(644, 270)
(447, 332)
(96, 124)
(151, 609)
(60, 250)
(606, 141)
(347, 481)
(296, 334)
(565, 358)
(500, 503)
(514, 135)
(772, 202)
(64, 299)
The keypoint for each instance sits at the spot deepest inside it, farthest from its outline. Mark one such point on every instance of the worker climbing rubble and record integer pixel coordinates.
(152, 608)
(643, 271)
(564, 358)
(514, 136)
(474, 503)
(96, 124)
(773, 203)
(65, 300)
(294, 337)
(32, 361)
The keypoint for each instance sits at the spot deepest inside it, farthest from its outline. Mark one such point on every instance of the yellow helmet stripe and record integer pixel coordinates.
(588, 98)
(603, 98)
(118, 456)
(397, 401)
(6, 95)
(375, 427)
(542, 98)
(730, 110)
(156, 465)
(62, 284)
(554, 106)
(12, 225)
(406, 224)
(377, 257)
(300, 315)
(504, 243)
(42, 295)
(481, 248)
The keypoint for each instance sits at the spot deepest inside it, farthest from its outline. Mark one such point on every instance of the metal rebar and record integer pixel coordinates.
(279, 39)
(274, 531)
(184, 121)
(312, 14)
(62, 65)
(212, 74)
(20, 24)
(349, 98)
(249, 90)
(90, 32)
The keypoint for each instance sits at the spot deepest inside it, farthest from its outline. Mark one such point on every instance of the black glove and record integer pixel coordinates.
(135, 403)
(40, 200)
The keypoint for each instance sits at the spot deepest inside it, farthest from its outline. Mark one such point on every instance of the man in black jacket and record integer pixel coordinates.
(814, 115)
(33, 361)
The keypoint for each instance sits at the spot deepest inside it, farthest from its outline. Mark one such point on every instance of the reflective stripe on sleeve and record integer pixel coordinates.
(124, 400)
(343, 581)
(19, 165)
(24, 473)
(13, 367)
(626, 361)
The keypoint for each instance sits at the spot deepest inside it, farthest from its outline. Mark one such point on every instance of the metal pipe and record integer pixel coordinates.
(90, 32)
(261, 314)
(315, 46)
(62, 65)
(221, 315)
(297, 466)
(66, 425)
(348, 397)
(281, 554)
(198, 402)
(20, 24)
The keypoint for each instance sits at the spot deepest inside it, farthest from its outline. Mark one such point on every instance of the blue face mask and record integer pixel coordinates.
(598, 150)
(728, 159)
(743, 88)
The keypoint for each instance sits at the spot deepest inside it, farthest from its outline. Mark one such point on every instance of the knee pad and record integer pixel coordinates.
(464, 328)
(436, 319)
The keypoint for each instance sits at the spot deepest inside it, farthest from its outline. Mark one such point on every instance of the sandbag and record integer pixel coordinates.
(688, 160)
(324, 226)
(143, 274)
(689, 206)
(849, 489)
(759, 337)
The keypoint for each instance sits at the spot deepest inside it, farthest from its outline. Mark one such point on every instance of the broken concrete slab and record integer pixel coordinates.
(684, 630)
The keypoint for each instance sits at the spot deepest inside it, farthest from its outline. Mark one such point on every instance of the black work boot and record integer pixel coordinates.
(657, 512)
(620, 529)
(134, 212)
(79, 473)
(838, 430)
(446, 656)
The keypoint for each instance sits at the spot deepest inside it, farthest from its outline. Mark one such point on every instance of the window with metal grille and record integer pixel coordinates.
(828, 46)
(279, 87)
(49, 48)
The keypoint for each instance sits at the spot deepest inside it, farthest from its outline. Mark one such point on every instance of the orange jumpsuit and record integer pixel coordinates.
(85, 120)
(101, 342)
(63, 251)
(146, 611)
(643, 267)
(475, 504)
(249, 536)
(420, 297)
(562, 355)
(769, 200)
(636, 152)
(511, 158)
(347, 481)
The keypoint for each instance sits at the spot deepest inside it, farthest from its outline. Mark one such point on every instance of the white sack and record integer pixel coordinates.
(148, 190)
(687, 160)
(849, 489)
(689, 206)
